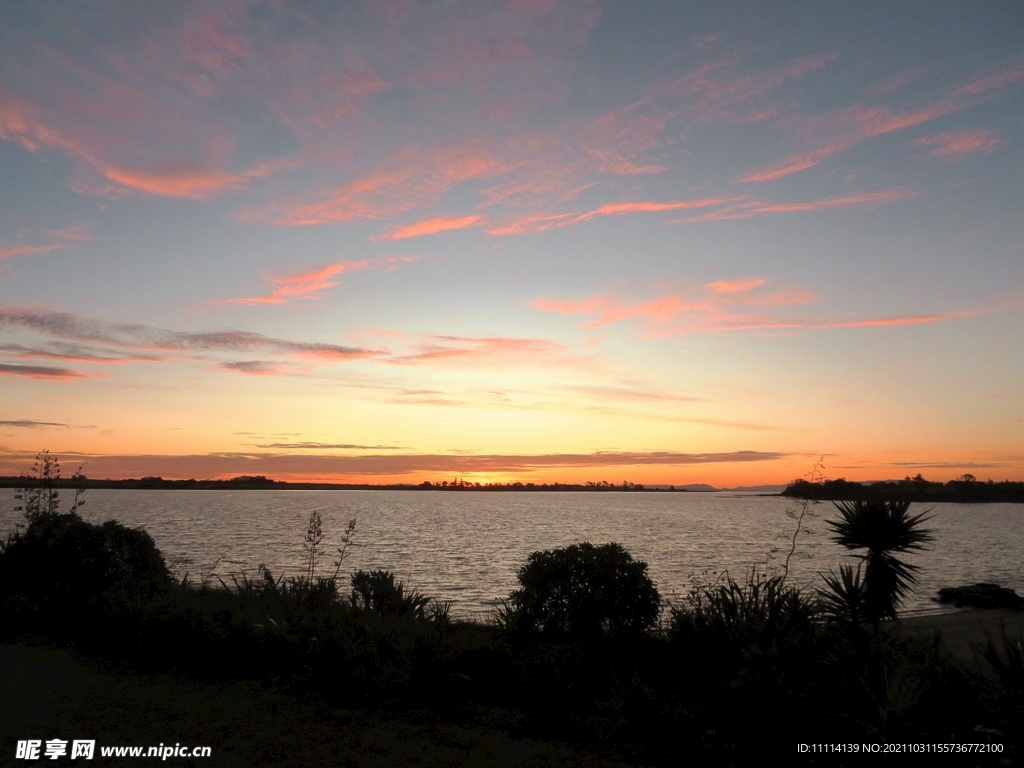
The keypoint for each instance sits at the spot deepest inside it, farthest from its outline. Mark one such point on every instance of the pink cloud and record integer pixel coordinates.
(196, 183)
(535, 170)
(408, 179)
(760, 115)
(711, 92)
(887, 321)
(953, 146)
(741, 285)
(531, 224)
(61, 238)
(854, 125)
(11, 251)
(721, 306)
(254, 367)
(896, 82)
(431, 227)
(614, 209)
(312, 284)
(77, 353)
(607, 310)
(498, 349)
(990, 82)
(801, 161)
(710, 301)
(759, 208)
(39, 371)
(522, 171)
(543, 222)
(19, 122)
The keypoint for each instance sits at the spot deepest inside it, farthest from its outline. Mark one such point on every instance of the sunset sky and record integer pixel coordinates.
(534, 240)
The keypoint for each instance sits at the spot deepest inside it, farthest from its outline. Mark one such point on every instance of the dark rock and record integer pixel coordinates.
(982, 596)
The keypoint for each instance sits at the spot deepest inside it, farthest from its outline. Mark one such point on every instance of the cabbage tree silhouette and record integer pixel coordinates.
(884, 529)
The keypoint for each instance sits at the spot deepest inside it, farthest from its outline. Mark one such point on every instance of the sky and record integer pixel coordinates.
(537, 240)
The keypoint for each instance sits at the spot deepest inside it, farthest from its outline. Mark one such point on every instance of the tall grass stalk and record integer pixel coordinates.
(314, 537)
(816, 476)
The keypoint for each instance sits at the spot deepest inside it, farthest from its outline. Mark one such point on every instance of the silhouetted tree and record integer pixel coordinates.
(884, 529)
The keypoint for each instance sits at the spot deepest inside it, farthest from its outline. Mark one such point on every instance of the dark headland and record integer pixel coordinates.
(964, 490)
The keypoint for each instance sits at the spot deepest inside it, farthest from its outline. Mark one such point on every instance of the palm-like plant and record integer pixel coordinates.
(884, 529)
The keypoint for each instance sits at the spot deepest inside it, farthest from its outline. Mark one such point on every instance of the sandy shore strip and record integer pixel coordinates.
(963, 633)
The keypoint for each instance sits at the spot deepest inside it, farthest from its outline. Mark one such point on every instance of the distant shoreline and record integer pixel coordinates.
(915, 490)
(265, 484)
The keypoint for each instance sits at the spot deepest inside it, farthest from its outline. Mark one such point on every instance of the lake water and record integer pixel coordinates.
(467, 547)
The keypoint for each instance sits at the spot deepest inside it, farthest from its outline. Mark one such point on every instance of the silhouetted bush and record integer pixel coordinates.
(729, 614)
(377, 592)
(583, 590)
(63, 571)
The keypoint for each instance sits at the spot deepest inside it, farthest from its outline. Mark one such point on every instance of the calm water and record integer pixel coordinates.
(466, 547)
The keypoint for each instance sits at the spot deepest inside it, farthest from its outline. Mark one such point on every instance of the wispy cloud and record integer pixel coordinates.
(312, 283)
(956, 145)
(11, 250)
(20, 122)
(739, 285)
(254, 367)
(314, 446)
(78, 353)
(523, 174)
(632, 393)
(30, 424)
(129, 342)
(712, 302)
(431, 227)
(853, 125)
(527, 225)
(410, 178)
(458, 349)
(887, 321)
(59, 238)
(724, 305)
(723, 208)
(39, 371)
(85, 340)
(751, 208)
(616, 209)
(185, 181)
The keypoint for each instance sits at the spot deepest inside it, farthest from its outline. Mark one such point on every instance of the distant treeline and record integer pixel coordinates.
(965, 489)
(259, 482)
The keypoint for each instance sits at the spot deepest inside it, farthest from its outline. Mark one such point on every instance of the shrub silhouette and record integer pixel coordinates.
(62, 571)
(583, 590)
(728, 615)
(377, 592)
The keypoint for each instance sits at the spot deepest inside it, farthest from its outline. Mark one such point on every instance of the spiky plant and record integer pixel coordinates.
(884, 529)
(843, 596)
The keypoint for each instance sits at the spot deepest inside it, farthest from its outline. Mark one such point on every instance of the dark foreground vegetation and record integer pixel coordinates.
(965, 490)
(584, 652)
